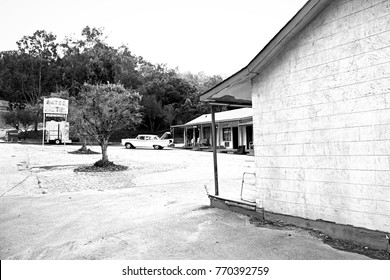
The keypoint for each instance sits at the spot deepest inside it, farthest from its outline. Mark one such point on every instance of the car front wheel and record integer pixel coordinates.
(128, 146)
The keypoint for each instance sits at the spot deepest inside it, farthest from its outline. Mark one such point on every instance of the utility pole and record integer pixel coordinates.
(214, 137)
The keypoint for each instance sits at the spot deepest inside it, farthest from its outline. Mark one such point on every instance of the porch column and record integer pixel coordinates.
(185, 137)
(194, 135)
(214, 137)
(201, 134)
(239, 132)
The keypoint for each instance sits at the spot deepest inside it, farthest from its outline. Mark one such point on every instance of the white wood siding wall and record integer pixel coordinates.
(322, 119)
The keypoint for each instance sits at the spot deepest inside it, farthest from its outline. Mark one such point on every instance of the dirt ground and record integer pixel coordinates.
(156, 209)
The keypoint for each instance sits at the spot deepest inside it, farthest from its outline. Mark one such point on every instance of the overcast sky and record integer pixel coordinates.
(213, 36)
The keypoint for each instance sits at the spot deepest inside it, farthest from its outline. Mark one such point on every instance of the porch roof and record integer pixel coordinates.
(242, 114)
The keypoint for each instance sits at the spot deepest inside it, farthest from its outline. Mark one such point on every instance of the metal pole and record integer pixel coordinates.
(43, 130)
(66, 118)
(214, 137)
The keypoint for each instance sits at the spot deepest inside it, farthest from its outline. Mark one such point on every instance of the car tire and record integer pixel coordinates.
(57, 141)
(157, 147)
(128, 146)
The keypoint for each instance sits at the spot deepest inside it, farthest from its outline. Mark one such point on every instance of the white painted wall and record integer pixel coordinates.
(322, 119)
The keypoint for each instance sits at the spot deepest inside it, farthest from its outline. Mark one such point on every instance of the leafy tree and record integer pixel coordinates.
(76, 124)
(41, 49)
(85, 60)
(11, 118)
(73, 68)
(169, 114)
(91, 60)
(41, 44)
(18, 77)
(105, 108)
(37, 70)
(164, 93)
(192, 107)
(21, 119)
(26, 118)
(36, 112)
(126, 68)
(8, 81)
(152, 111)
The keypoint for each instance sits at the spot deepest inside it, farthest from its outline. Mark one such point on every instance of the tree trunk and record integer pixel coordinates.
(103, 145)
(37, 121)
(84, 144)
(40, 78)
(151, 124)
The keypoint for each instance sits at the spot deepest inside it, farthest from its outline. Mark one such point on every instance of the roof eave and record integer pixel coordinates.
(224, 84)
(209, 122)
(303, 17)
(299, 21)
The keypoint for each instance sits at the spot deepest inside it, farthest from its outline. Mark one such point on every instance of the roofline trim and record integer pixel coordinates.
(299, 20)
(228, 82)
(209, 122)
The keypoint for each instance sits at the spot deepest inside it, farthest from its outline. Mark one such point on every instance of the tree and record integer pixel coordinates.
(192, 107)
(11, 118)
(76, 124)
(169, 114)
(41, 50)
(164, 93)
(37, 113)
(26, 118)
(36, 70)
(106, 108)
(152, 111)
(19, 76)
(91, 60)
(21, 119)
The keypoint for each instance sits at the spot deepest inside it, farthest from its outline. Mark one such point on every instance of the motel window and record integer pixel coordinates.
(227, 135)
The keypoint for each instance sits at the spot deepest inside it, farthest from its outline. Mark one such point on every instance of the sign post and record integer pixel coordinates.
(54, 106)
(43, 130)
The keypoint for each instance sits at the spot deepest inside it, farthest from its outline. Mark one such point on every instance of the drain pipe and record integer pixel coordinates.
(214, 136)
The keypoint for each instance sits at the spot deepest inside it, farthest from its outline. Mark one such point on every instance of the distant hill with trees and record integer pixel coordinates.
(42, 66)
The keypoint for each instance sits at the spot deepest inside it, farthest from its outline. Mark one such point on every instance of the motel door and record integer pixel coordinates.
(249, 135)
(235, 137)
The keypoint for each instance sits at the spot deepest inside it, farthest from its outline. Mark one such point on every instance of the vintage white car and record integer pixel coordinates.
(148, 141)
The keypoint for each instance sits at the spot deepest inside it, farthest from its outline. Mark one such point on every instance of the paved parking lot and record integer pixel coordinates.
(157, 209)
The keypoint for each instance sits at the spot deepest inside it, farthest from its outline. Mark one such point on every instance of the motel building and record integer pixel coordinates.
(319, 92)
(234, 128)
